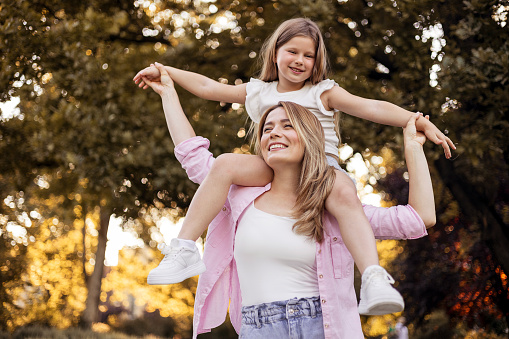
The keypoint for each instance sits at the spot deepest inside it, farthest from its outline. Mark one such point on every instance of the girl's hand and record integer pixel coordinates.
(410, 133)
(151, 73)
(163, 83)
(436, 136)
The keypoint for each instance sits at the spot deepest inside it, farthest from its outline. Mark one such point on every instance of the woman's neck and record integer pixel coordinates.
(286, 181)
(281, 198)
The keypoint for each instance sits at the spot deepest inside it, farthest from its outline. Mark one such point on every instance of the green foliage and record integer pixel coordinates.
(87, 120)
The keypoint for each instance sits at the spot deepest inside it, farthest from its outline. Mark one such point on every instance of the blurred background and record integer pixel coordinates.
(89, 185)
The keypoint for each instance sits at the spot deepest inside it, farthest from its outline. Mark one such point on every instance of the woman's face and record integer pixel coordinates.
(279, 142)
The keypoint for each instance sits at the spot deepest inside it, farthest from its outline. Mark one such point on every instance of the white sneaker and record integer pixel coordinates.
(178, 264)
(377, 295)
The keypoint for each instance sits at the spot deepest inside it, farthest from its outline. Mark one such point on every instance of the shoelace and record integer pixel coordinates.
(374, 274)
(168, 251)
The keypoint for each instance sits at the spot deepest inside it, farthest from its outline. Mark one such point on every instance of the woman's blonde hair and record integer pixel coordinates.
(316, 176)
(284, 33)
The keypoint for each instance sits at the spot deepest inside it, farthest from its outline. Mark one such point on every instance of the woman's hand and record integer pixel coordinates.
(161, 84)
(410, 133)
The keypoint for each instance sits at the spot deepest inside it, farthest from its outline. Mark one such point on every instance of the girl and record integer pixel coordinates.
(277, 274)
(294, 69)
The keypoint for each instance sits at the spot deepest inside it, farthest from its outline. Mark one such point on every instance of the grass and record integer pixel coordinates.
(39, 332)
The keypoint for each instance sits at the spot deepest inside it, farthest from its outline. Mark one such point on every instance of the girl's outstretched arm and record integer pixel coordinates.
(382, 112)
(195, 83)
(178, 125)
(420, 195)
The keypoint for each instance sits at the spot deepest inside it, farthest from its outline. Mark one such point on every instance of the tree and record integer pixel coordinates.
(478, 52)
(83, 128)
(473, 238)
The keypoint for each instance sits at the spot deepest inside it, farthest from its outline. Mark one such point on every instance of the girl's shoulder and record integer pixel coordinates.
(321, 90)
(325, 85)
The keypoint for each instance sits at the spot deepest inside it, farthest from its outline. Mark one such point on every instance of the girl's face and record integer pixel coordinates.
(295, 61)
(280, 142)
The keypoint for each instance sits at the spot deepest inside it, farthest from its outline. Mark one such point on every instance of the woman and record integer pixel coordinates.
(315, 294)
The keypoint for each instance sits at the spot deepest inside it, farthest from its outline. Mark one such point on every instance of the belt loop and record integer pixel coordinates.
(312, 308)
(293, 301)
(257, 319)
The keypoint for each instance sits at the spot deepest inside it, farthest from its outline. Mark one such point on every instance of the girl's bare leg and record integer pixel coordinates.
(344, 204)
(377, 295)
(227, 169)
(182, 259)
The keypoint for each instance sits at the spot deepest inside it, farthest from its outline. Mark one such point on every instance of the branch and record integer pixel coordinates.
(138, 39)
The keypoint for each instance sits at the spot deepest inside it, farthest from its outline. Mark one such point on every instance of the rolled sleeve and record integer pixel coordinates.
(195, 158)
(397, 222)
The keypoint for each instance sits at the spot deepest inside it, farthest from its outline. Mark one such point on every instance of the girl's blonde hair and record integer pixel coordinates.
(284, 33)
(316, 176)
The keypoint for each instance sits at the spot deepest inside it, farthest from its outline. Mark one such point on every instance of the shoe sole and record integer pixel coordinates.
(189, 272)
(381, 306)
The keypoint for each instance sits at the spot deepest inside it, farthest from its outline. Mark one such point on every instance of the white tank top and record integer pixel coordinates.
(273, 262)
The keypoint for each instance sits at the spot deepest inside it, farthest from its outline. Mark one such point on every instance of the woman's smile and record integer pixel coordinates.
(277, 146)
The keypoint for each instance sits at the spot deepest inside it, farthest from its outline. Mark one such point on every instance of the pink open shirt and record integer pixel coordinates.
(219, 286)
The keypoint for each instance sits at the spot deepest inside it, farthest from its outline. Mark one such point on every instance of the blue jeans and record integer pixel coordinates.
(288, 319)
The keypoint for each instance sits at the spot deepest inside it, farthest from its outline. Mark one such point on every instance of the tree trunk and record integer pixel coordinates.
(495, 233)
(94, 281)
(84, 240)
